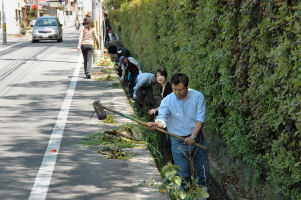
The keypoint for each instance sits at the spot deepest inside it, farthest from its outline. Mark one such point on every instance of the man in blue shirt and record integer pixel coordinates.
(183, 113)
(143, 88)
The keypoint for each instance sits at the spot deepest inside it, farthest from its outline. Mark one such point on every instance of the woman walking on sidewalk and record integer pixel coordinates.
(86, 44)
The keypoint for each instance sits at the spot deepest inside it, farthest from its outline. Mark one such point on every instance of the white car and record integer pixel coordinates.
(47, 28)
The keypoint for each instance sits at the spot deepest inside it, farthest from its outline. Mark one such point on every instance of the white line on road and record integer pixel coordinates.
(43, 178)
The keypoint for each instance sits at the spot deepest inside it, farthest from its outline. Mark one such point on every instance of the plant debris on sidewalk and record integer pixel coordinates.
(112, 143)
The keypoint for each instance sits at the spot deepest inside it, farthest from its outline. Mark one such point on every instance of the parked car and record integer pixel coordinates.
(47, 28)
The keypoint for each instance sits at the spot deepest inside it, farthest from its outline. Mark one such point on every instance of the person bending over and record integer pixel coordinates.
(131, 65)
(144, 88)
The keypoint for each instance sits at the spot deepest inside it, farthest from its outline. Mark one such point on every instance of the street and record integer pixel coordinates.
(45, 106)
(34, 79)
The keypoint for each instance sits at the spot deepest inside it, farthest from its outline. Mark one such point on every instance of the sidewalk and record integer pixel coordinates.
(98, 177)
(142, 168)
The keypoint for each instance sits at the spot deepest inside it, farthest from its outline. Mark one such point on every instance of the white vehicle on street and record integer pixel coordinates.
(47, 28)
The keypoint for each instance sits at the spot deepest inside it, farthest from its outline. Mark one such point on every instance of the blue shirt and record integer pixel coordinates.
(144, 79)
(180, 116)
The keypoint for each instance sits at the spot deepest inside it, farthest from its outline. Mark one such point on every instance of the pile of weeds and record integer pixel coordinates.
(112, 142)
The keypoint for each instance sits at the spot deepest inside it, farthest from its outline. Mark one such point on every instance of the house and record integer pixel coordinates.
(16, 11)
(13, 14)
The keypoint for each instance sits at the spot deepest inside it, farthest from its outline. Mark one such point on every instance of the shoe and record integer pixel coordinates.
(88, 76)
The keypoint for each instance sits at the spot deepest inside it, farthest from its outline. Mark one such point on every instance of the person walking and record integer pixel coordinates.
(107, 29)
(183, 113)
(77, 24)
(165, 87)
(86, 44)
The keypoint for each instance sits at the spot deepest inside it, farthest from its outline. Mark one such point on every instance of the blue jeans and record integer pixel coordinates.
(183, 154)
(132, 79)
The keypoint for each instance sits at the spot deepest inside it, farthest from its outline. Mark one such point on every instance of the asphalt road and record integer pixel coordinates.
(45, 106)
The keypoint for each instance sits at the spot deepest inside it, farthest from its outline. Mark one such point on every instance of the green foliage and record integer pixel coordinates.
(245, 58)
(23, 28)
(172, 183)
(110, 143)
(109, 119)
(115, 85)
(101, 138)
(31, 15)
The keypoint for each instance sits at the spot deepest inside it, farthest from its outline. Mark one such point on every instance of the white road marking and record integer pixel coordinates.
(43, 178)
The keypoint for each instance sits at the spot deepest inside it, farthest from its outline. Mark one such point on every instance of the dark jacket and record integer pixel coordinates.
(167, 90)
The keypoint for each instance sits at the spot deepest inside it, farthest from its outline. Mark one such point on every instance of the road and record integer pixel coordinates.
(34, 79)
(45, 106)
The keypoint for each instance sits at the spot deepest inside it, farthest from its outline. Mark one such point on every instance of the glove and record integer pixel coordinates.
(134, 96)
(140, 71)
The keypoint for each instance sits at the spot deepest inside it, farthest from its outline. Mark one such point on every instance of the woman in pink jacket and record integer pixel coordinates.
(86, 44)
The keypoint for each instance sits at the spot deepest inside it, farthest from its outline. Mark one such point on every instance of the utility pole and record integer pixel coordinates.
(63, 2)
(95, 18)
(101, 25)
(4, 24)
(25, 14)
(38, 11)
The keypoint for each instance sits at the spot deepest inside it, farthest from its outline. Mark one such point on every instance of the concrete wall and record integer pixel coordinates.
(49, 11)
(11, 8)
(87, 6)
(1, 16)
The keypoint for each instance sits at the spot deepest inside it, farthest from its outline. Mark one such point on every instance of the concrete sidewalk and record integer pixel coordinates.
(85, 173)
(142, 170)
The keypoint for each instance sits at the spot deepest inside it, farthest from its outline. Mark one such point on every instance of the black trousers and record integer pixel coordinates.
(145, 95)
(87, 51)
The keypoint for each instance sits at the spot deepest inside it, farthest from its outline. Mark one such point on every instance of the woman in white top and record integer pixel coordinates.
(86, 44)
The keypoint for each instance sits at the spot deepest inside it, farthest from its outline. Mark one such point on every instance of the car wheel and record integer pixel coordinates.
(35, 41)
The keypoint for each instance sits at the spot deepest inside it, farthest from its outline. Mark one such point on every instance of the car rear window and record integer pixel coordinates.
(47, 22)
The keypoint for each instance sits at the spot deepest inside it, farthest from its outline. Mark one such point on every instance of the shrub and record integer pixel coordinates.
(244, 56)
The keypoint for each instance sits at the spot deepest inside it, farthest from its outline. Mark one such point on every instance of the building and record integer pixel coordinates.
(16, 11)
(14, 16)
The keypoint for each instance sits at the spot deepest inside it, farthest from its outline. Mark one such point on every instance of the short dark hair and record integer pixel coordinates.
(162, 71)
(180, 78)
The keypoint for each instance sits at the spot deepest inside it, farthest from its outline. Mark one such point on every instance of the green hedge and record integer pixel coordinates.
(244, 55)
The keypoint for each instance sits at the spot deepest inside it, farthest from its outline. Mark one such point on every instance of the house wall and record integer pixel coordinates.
(13, 16)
